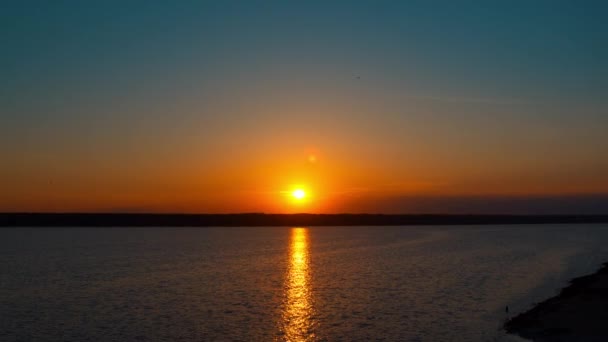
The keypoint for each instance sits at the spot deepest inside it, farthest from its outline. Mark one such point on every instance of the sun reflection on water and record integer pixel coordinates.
(298, 308)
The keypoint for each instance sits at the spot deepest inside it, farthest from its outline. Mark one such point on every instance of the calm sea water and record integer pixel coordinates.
(296, 284)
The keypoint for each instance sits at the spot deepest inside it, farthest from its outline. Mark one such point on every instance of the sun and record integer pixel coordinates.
(298, 194)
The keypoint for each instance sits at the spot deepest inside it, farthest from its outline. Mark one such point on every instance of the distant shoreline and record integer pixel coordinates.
(259, 219)
(578, 313)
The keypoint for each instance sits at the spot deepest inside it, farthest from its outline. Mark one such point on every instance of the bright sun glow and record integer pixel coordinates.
(298, 194)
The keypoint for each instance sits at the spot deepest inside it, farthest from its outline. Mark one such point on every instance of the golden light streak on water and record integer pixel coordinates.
(298, 309)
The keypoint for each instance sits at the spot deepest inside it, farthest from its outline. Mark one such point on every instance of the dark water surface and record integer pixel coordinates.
(297, 284)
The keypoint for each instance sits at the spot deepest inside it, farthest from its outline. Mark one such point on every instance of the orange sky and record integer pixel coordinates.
(222, 165)
(216, 107)
(260, 179)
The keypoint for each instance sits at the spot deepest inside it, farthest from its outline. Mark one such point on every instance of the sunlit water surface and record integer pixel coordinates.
(294, 284)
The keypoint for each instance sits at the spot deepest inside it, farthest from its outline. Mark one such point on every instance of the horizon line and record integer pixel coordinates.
(282, 214)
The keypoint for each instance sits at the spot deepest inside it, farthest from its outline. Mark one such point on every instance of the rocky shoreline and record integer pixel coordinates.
(578, 313)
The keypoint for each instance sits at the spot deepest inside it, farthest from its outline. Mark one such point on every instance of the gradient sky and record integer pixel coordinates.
(407, 106)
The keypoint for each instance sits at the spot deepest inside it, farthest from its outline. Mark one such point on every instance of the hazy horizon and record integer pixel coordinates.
(478, 205)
